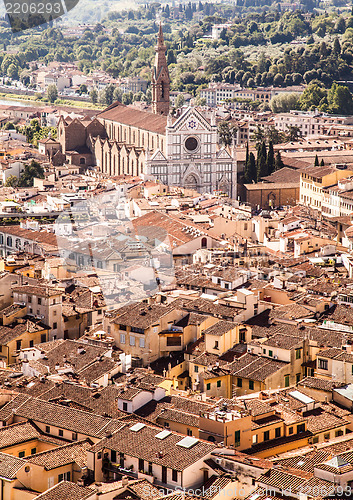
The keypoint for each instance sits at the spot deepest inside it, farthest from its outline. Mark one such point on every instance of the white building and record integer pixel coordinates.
(193, 159)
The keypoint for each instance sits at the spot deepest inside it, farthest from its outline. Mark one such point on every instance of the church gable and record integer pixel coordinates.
(106, 147)
(191, 121)
(158, 156)
(95, 128)
(223, 155)
(115, 148)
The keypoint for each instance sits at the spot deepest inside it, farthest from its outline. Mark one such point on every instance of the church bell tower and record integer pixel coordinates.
(160, 78)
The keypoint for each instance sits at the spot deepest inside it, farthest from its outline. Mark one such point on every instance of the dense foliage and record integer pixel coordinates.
(34, 169)
(262, 46)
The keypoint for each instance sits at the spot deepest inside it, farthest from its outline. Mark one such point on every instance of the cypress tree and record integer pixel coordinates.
(261, 163)
(246, 167)
(316, 163)
(322, 163)
(270, 158)
(252, 168)
(278, 161)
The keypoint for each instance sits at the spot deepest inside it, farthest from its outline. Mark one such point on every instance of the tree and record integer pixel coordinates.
(278, 80)
(259, 135)
(12, 71)
(11, 181)
(322, 163)
(52, 92)
(83, 89)
(283, 103)
(109, 94)
(339, 100)
(270, 158)
(274, 135)
(9, 126)
(316, 162)
(34, 169)
(126, 99)
(118, 93)
(261, 162)
(278, 161)
(250, 173)
(225, 133)
(294, 133)
(336, 48)
(94, 96)
(312, 97)
(340, 26)
(179, 101)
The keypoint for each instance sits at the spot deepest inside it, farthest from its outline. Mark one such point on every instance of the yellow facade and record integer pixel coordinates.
(311, 185)
(219, 344)
(28, 448)
(9, 350)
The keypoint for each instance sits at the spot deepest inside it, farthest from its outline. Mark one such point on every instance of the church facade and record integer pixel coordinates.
(122, 140)
(192, 158)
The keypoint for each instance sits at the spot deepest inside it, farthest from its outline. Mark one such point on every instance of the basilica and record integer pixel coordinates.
(120, 140)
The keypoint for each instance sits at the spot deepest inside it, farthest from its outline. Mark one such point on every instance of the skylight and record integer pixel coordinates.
(188, 442)
(137, 427)
(163, 434)
(301, 397)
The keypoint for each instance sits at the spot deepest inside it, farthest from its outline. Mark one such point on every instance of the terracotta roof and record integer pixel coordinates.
(220, 328)
(141, 315)
(63, 455)
(179, 404)
(101, 402)
(322, 419)
(42, 291)
(18, 328)
(282, 341)
(165, 452)
(9, 465)
(255, 367)
(79, 355)
(162, 226)
(144, 489)
(42, 237)
(291, 311)
(60, 416)
(18, 433)
(335, 353)
(130, 116)
(320, 384)
(68, 491)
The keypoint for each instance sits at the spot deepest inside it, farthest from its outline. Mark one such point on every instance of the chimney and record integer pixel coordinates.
(125, 481)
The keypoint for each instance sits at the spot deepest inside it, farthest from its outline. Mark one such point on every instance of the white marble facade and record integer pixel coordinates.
(193, 157)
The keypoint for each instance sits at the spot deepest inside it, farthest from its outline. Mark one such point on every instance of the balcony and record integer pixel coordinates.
(110, 467)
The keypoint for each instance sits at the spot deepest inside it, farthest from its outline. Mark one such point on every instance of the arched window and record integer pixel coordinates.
(1, 239)
(9, 241)
(204, 243)
(82, 161)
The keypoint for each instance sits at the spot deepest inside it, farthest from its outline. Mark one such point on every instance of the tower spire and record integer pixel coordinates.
(160, 35)
(160, 78)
